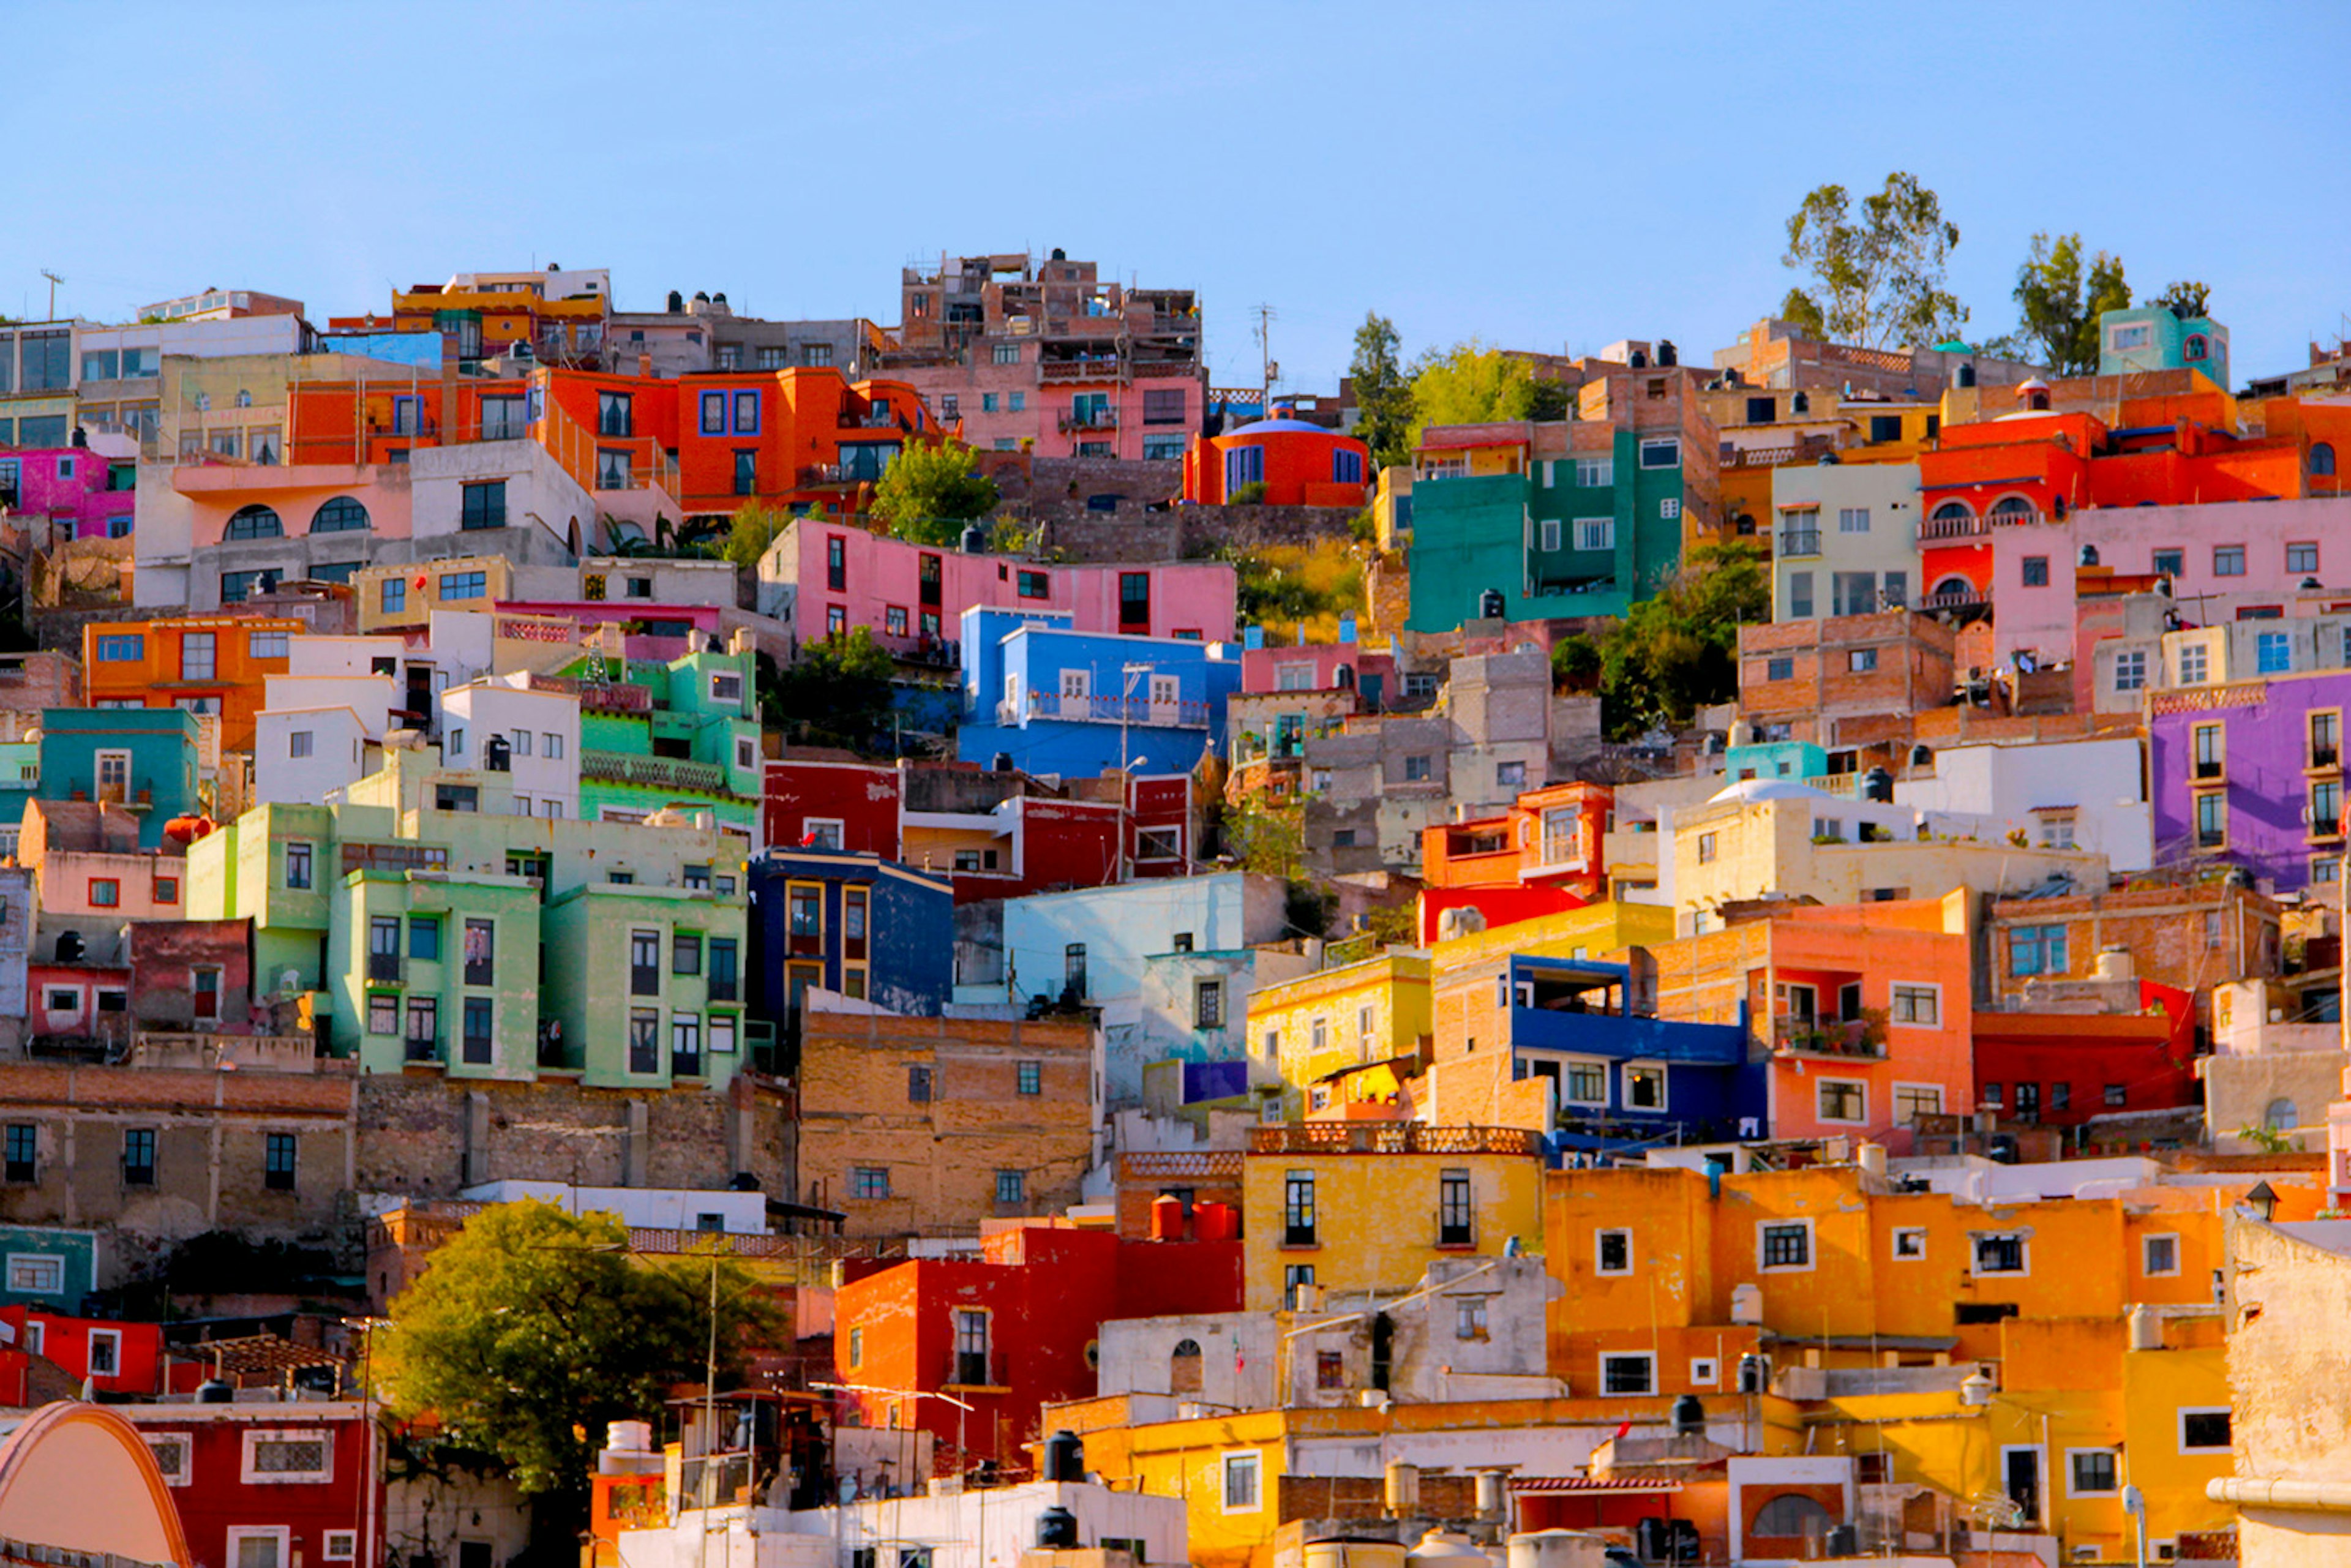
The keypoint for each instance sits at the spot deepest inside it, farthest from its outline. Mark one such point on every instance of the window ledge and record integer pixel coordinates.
(1300, 1247)
(1456, 1247)
(997, 1390)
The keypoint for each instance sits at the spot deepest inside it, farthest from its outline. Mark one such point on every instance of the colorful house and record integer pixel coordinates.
(1544, 855)
(1289, 462)
(210, 666)
(2250, 773)
(2156, 338)
(306, 1482)
(141, 758)
(1318, 1029)
(1077, 703)
(853, 924)
(84, 495)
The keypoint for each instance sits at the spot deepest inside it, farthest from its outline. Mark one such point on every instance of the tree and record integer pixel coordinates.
(837, 691)
(755, 526)
(2184, 299)
(2061, 306)
(532, 1328)
(1468, 384)
(931, 490)
(1382, 395)
(1880, 279)
(1679, 651)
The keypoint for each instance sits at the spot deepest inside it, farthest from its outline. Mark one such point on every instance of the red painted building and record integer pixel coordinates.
(2062, 1069)
(119, 1357)
(1300, 464)
(832, 800)
(1543, 856)
(1009, 1332)
(271, 1485)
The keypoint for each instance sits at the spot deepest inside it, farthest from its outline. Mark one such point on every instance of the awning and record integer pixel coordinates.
(1592, 1486)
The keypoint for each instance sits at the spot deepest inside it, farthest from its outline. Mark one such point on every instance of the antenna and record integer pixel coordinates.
(54, 281)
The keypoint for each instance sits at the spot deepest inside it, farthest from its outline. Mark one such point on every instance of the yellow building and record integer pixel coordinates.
(1586, 933)
(1369, 1205)
(402, 598)
(1391, 507)
(1353, 1015)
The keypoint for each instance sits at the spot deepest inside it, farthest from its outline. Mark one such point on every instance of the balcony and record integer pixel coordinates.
(655, 773)
(869, 420)
(1092, 367)
(1843, 1038)
(1391, 1138)
(1934, 529)
(1095, 419)
(813, 473)
(1799, 541)
(1958, 599)
(2324, 758)
(1179, 715)
(384, 967)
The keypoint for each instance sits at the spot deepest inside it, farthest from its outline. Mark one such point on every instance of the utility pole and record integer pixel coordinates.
(54, 281)
(1266, 368)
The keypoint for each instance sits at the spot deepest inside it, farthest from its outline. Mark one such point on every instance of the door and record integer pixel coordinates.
(2020, 1479)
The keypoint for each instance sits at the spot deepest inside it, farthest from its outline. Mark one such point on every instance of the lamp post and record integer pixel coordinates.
(962, 1409)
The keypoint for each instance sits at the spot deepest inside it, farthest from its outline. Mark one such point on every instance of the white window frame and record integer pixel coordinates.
(1600, 1234)
(1600, 531)
(1811, 1252)
(1566, 1075)
(239, 1534)
(1899, 1088)
(1975, 1255)
(2106, 1449)
(1225, 1461)
(339, 1545)
(1894, 992)
(1670, 446)
(2146, 1263)
(1648, 1360)
(1548, 532)
(53, 1259)
(1077, 684)
(1822, 1116)
(1595, 473)
(258, 1436)
(814, 827)
(180, 1442)
(1900, 1231)
(1664, 1087)
(2180, 1425)
(1706, 1372)
(113, 1338)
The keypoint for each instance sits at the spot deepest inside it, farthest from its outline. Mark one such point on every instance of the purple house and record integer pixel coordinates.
(2251, 774)
(84, 495)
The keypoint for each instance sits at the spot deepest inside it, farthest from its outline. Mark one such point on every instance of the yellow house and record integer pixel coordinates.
(400, 598)
(1586, 933)
(1369, 1206)
(1391, 507)
(1353, 1016)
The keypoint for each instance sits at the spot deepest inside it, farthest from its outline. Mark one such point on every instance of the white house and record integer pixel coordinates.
(503, 725)
(2072, 794)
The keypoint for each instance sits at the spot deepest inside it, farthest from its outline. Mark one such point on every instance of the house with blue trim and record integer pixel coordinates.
(1075, 704)
(854, 924)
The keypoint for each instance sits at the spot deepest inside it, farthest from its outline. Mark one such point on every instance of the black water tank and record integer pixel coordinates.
(1877, 785)
(975, 540)
(1491, 604)
(1065, 1460)
(676, 303)
(213, 1391)
(1057, 1530)
(1003, 762)
(1666, 355)
(1689, 1417)
(2089, 555)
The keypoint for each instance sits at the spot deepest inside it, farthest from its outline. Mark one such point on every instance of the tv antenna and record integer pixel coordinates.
(1266, 316)
(54, 281)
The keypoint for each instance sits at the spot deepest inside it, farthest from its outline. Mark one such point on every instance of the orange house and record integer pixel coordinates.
(215, 664)
(1300, 464)
(1542, 856)
(367, 421)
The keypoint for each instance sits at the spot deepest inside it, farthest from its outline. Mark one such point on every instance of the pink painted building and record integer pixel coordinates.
(84, 495)
(819, 578)
(2231, 549)
(1323, 667)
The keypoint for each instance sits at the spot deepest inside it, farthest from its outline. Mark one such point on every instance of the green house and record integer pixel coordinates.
(681, 734)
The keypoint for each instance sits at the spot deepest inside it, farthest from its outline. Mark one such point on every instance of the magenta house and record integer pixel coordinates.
(1323, 667)
(2251, 774)
(820, 577)
(83, 495)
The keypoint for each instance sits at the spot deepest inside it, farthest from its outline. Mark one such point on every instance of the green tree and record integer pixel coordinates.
(1266, 839)
(1382, 395)
(931, 490)
(1468, 384)
(1679, 651)
(1880, 279)
(2060, 300)
(531, 1329)
(2186, 298)
(753, 528)
(837, 692)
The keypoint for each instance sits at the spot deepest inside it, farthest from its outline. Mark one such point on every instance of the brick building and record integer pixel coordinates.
(2186, 929)
(1804, 680)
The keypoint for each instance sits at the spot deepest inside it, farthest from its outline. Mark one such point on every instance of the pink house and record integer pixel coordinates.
(819, 578)
(82, 494)
(2234, 549)
(1322, 667)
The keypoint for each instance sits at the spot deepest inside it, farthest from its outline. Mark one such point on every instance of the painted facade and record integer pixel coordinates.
(1064, 702)
(2251, 774)
(1293, 463)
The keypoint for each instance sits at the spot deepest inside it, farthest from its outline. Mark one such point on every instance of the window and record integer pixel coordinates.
(139, 1157)
(481, 952)
(1585, 1083)
(2036, 571)
(1416, 770)
(2160, 1255)
(288, 1456)
(258, 1546)
(868, 1181)
(277, 1161)
(1852, 520)
(1910, 1242)
(1842, 1100)
(746, 413)
(2228, 560)
(1707, 845)
(196, 656)
(1595, 473)
(1780, 669)
(2204, 1431)
(254, 523)
(2194, 666)
(1665, 453)
(2211, 821)
(105, 892)
(36, 1274)
(2036, 950)
(1346, 466)
(1596, 533)
(1861, 660)
(1645, 1087)
(1240, 1474)
(22, 1152)
(121, 650)
(2168, 562)
(2273, 652)
(170, 1451)
(1628, 1374)
(383, 1013)
(1509, 775)
(393, 595)
(2326, 809)
(644, 963)
(918, 1085)
(1785, 1244)
(1920, 1005)
(1549, 536)
(299, 860)
(1297, 1209)
(1208, 1004)
(2090, 1472)
(1800, 595)
(2002, 1252)
(339, 1545)
(1456, 1210)
(464, 585)
(1612, 1251)
(2302, 557)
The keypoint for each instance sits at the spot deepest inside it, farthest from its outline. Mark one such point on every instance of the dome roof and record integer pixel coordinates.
(1267, 426)
(1751, 789)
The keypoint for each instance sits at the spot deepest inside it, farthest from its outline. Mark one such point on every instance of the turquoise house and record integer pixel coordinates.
(46, 1266)
(2151, 338)
(143, 758)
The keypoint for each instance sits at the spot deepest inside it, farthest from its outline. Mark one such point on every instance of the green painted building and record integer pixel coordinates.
(683, 733)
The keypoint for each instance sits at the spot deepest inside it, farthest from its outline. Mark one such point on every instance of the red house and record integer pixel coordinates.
(271, 1485)
(831, 800)
(119, 1357)
(1300, 464)
(2062, 1069)
(1009, 1332)
(1543, 856)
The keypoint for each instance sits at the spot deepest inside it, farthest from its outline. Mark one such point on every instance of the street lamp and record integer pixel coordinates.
(962, 1409)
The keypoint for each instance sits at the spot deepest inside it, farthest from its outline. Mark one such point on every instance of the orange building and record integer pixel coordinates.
(1300, 464)
(207, 664)
(1539, 857)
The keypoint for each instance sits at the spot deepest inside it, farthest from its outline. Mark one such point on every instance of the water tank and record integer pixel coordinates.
(2089, 555)
(1459, 922)
(1843, 1540)
(1877, 785)
(1743, 733)
(1401, 1492)
(1442, 1548)
(2115, 963)
(1747, 1303)
(1871, 1159)
(1667, 355)
(1002, 762)
(2146, 1329)
(1215, 1221)
(975, 540)
(1491, 604)
(1065, 1460)
(1057, 1530)
(1353, 1552)
(1167, 1218)
(213, 1391)
(1963, 374)
(676, 303)
(629, 1437)
(1754, 1374)
(1489, 1494)
(1688, 1417)
(1557, 1549)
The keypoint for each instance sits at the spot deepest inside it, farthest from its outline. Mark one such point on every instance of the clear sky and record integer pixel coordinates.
(1542, 176)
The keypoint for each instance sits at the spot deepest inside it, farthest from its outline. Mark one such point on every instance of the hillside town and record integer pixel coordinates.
(639, 936)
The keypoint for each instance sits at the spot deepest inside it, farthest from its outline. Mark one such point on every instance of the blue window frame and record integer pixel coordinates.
(1243, 465)
(2036, 950)
(462, 585)
(393, 597)
(121, 650)
(237, 586)
(1346, 467)
(714, 414)
(746, 413)
(2272, 654)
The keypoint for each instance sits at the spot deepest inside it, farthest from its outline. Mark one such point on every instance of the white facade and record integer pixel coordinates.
(983, 1528)
(541, 732)
(645, 1208)
(301, 751)
(1834, 524)
(2077, 794)
(542, 500)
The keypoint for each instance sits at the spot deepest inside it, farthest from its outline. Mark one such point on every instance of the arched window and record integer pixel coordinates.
(2322, 457)
(2009, 508)
(2194, 347)
(254, 523)
(2282, 1116)
(1346, 677)
(1953, 512)
(342, 514)
(2057, 508)
(1954, 591)
(1790, 1513)
(1183, 1368)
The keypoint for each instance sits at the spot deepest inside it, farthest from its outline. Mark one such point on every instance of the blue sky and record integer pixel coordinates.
(1539, 176)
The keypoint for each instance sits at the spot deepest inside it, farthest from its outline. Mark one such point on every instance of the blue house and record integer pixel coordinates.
(144, 758)
(2151, 338)
(1619, 1078)
(1076, 704)
(46, 1266)
(865, 927)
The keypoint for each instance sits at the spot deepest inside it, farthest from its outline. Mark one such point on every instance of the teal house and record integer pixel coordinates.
(144, 759)
(684, 734)
(46, 1266)
(2152, 337)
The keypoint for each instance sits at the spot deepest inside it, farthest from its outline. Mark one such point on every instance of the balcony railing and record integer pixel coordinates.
(383, 966)
(2324, 758)
(1857, 1039)
(1799, 541)
(655, 773)
(1101, 367)
(1391, 1138)
(1097, 419)
(1959, 599)
(422, 1048)
(1180, 714)
(1934, 529)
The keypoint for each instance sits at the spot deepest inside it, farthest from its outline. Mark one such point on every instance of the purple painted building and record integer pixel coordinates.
(83, 495)
(2251, 774)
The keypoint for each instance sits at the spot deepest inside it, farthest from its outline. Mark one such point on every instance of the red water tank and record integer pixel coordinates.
(1215, 1221)
(1167, 1218)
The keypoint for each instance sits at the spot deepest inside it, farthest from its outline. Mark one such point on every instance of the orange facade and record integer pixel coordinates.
(215, 664)
(1299, 464)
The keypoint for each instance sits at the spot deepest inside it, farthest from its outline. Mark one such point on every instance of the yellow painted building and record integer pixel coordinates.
(1369, 1205)
(1588, 933)
(398, 598)
(1353, 1015)
(1391, 507)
